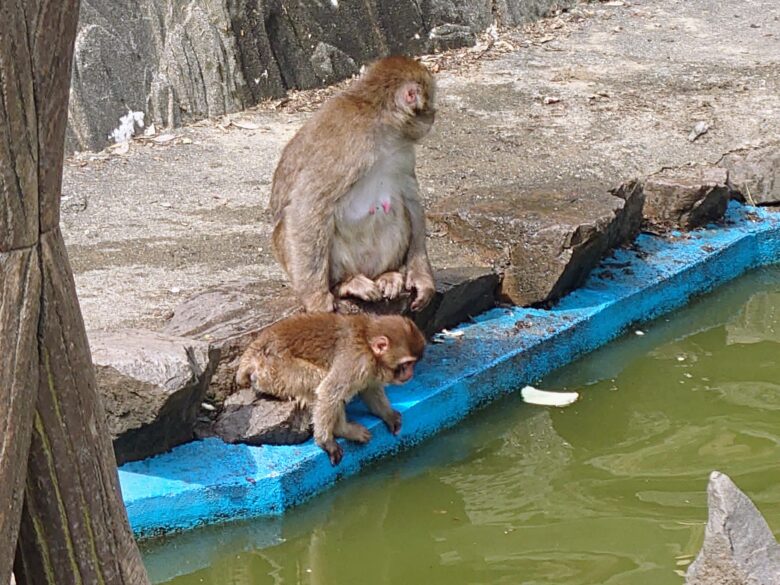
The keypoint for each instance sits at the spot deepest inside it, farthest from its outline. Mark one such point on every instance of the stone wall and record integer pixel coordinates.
(183, 60)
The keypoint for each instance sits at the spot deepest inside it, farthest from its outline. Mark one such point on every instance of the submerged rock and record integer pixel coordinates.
(543, 242)
(686, 198)
(151, 386)
(739, 548)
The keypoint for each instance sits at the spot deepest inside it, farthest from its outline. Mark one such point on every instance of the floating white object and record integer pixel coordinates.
(544, 398)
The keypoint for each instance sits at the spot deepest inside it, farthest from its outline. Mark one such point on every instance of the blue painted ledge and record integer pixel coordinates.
(208, 481)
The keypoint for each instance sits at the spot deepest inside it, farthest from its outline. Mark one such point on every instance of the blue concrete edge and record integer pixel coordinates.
(207, 482)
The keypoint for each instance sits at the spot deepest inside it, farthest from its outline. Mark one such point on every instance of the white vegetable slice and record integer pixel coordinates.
(544, 398)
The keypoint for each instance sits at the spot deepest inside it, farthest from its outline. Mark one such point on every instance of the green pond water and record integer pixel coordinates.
(610, 490)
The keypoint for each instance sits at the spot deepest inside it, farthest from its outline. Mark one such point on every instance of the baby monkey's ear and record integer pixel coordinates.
(379, 345)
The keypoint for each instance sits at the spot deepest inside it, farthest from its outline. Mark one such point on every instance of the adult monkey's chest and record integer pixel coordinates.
(372, 229)
(376, 201)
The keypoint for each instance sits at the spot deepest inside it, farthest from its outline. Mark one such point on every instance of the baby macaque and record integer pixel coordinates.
(324, 359)
(347, 215)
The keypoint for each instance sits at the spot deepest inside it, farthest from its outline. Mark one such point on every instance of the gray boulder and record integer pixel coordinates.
(152, 387)
(461, 293)
(331, 64)
(451, 36)
(228, 317)
(739, 548)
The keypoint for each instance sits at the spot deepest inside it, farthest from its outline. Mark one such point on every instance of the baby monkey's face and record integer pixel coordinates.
(404, 371)
(397, 349)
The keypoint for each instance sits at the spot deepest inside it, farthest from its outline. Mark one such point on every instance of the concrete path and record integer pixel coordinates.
(602, 94)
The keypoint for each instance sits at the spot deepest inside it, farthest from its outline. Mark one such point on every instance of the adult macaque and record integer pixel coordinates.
(347, 215)
(324, 359)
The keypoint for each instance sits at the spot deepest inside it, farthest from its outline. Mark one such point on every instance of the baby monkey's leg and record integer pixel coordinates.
(352, 431)
(375, 398)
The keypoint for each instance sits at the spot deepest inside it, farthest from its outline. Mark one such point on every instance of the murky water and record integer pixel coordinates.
(608, 491)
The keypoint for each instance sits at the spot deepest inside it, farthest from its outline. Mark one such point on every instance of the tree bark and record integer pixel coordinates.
(55, 451)
(20, 286)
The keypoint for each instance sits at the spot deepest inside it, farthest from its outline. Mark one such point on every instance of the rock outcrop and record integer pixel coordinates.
(183, 61)
(152, 387)
(739, 548)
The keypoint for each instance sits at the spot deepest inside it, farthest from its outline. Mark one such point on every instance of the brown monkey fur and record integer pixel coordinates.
(324, 359)
(345, 204)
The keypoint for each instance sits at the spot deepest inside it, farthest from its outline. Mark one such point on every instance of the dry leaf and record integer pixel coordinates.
(246, 125)
(163, 138)
(122, 147)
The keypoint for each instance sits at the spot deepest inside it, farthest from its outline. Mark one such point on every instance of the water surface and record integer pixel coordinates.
(610, 490)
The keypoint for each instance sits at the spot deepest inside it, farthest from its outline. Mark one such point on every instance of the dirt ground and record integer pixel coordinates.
(601, 94)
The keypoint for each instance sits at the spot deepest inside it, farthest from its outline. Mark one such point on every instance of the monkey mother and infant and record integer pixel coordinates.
(348, 221)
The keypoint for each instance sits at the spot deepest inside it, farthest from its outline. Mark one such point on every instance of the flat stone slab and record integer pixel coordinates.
(544, 242)
(739, 547)
(210, 481)
(151, 386)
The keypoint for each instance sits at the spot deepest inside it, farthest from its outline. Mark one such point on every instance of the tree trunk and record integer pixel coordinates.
(54, 448)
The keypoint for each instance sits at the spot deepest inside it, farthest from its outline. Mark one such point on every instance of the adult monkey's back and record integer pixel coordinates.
(345, 204)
